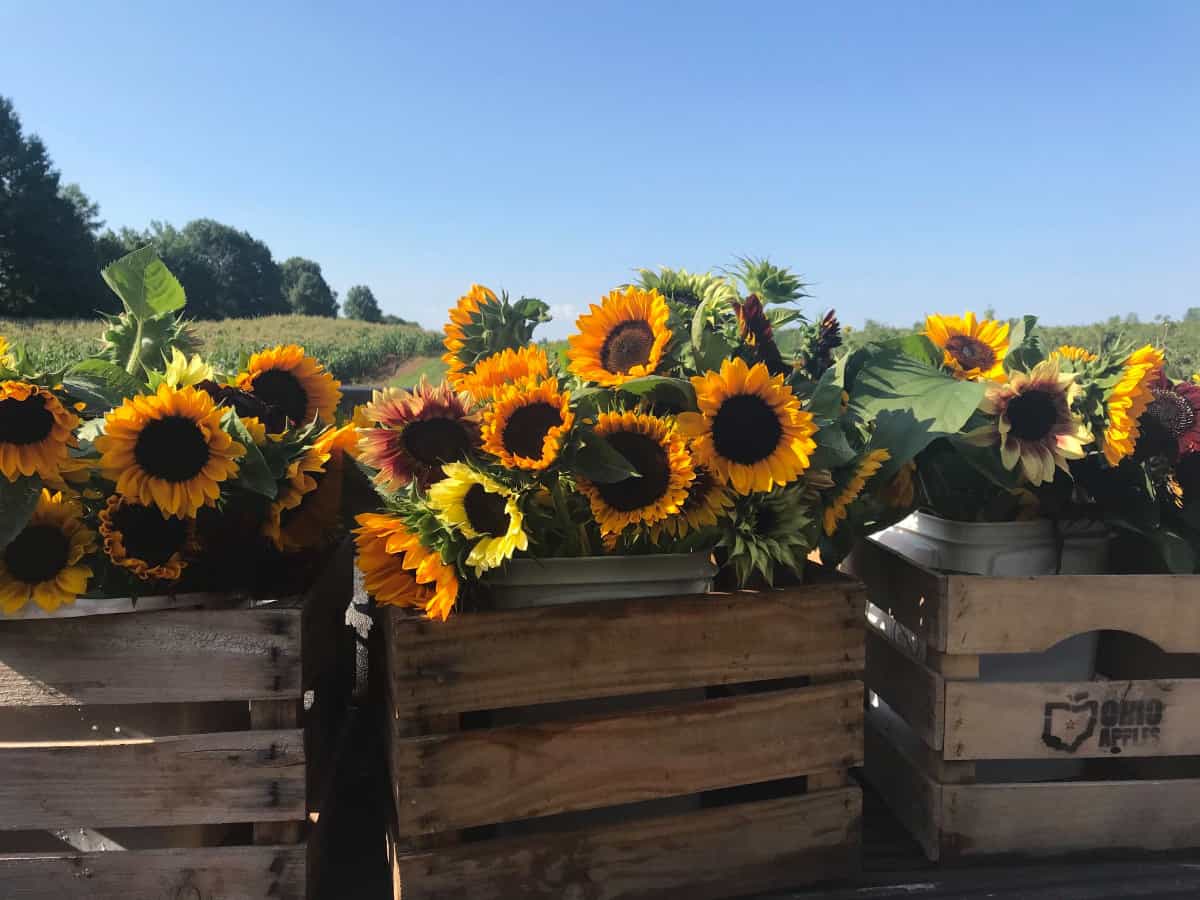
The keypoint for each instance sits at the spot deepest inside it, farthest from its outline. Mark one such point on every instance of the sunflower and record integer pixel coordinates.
(6, 359)
(508, 367)
(1075, 354)
(35, 431)
(901, 490)
(1127, 401)
(654, 448)
(314, 519)
(480, 508)
(184, 372)
(1170, 426)
(750, 430)
(43, 561)
(144, 541)
(169, 449)
(295, 383)
(466, 312)
(420, 430)
(526, 426)
(971, 349)
(622, 339)
(867, 467)
(1034, 424)
(300, 478)
(399, 571)
(706, 503)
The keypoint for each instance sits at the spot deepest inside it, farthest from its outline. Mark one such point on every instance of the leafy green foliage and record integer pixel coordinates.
(253, 472)
(145, 285)
(100, 384)
(305, 288)
(895, 381)
(18, 499)
(361, 304)
(772, 283)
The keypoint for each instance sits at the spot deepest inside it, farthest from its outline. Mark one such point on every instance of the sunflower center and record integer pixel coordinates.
(25, 421)
(37, 554)
(645, 455)
(280, 388)
(436, 441)
(172, 448)
(1171, 410)
(626, 346)
(147, 534)
(527, 428)
(970, 353)
(746, 429)
(486, 511)
(1032, 414)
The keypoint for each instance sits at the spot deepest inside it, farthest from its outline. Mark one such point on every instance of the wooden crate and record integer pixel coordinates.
(770, 700)
(934, 720)
(159, 754)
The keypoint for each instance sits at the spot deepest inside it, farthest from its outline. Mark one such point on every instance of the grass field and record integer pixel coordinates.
(354, 351)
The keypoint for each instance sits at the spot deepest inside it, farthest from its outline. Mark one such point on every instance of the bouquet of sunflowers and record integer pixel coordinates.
(673, 421)
(141, 471)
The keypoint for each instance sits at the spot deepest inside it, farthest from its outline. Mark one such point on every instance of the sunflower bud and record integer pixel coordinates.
(756, 331)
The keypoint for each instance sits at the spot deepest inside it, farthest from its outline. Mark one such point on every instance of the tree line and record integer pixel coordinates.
(53, 243)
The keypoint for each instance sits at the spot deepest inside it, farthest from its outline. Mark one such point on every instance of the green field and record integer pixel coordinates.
(354, 351)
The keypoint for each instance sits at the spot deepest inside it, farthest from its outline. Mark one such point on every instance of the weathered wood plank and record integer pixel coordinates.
(228, 873)
(1001, 720)
(914, 798)
(161, 657)
(529, 656)
(1047, 818)
(237, 776)
(705, 855)
(909, 593)
(273, 715)
(910, 688)
(485, 776)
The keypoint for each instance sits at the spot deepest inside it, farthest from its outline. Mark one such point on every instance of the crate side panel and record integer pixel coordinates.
(485, 776)
(531, 656)
(237, 776)
(911, 594)
(910, 688)
(704, 855)
(161, 657)
(892, 767)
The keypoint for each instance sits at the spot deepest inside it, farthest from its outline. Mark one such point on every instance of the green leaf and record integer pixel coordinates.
(144, 283)
(674, 392)
(826, 402)
(532, 308)
(699, 321)
(598, 461)
(100, 383)
(1022, 332)
(253, 472)
(18, 500)
(833, 450)
(892, 381)
(916, 347)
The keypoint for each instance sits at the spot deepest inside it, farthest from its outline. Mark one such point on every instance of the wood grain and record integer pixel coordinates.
(242, 776)
(911, 689)
(275, 715)
(529, 656)
(485, 776)
(892, 766)
(911, 594)
(227, 873)
(160, 657)
(705, 855)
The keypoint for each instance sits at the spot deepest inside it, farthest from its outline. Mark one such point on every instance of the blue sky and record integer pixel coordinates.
(906, 157)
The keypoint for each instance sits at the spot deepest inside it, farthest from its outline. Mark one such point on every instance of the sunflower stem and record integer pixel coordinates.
(564, 519)
(135, 355)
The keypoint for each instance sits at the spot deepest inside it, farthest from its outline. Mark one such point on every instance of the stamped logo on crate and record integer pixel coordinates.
(1116, 722)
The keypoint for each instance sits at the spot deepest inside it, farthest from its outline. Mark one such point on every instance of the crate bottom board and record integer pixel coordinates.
(953, 821)
(703, 855)
(230, 873)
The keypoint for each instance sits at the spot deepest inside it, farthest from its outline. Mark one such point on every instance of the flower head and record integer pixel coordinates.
(505, 369)
(35, 431)
(1127, 401)
(621, 339)
(295, 383)
(836, 511)
(44, 562)
(527, 424)
(971, 349)
(399, 571)
(141, 539)
(482, 510)
(184, 372)
(1170, 425)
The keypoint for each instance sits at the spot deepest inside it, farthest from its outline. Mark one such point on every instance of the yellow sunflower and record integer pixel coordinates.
(169, 449)
(466, 312)
(43, 562)
(296, 384)
(35, 431)
(5, 358)
(144, 541)
(707, 502)
(506, 368)
(314, 520)
(750, 431)
(299, 479)
(971, 349)
(184, 372)
(1075, 354)
(654, 448)
(526, 426)
(621, 339)
(1127, 401)
(399, 571)
(836, 511)
(480, 508)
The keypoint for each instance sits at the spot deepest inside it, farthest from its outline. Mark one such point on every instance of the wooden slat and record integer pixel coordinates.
(485, 776)
(161, 657)
(1001, 720)
(909, 593)
(1050, 818)
(529, 656)
(275, 715)
(892, 766)
(228, 873)
(910, 688)
(734, 850)
(237, 776)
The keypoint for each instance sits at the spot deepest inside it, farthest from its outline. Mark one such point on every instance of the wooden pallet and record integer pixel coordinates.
(770, 699)
(159, 754)
(934, 721)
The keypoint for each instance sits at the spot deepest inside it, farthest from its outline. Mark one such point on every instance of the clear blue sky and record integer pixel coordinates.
(906, 157)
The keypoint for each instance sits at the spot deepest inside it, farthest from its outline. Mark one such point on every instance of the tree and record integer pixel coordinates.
(1192, 314)
(88, 209)
(305, 288)
(361, 304)
(48, 265)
